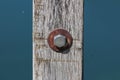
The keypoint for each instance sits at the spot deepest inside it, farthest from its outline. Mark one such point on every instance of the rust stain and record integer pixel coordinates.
(62, 32)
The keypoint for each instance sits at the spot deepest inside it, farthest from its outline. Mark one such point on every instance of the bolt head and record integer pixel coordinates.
(59, 40)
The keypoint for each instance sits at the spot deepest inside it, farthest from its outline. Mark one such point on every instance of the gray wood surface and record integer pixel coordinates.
(47, 16)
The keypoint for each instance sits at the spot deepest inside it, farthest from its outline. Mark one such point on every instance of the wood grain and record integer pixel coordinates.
(47, 16)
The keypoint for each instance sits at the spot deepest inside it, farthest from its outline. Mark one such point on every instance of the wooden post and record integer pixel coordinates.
(49, 15)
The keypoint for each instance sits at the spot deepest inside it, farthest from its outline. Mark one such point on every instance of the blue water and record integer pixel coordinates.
(15, 39)
(101, 40)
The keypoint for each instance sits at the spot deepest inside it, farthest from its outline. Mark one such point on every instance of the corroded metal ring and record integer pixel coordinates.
(69, 40)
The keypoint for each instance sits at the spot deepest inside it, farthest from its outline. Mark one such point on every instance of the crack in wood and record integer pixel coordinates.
(40, 60)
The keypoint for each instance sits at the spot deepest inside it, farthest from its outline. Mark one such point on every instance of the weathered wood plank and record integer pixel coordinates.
(47, 16)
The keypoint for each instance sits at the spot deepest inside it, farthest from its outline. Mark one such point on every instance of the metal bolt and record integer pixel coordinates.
(59, 41)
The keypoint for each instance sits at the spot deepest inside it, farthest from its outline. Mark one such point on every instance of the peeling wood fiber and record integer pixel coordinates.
(49, 15)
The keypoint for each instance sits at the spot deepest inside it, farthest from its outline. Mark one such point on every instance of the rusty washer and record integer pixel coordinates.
(60, 40)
